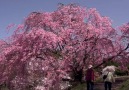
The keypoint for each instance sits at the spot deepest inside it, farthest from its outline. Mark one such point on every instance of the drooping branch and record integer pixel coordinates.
(105, 60)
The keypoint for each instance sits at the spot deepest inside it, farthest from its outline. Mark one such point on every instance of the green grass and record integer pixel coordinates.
(3, 88)
(124, 85)
(79, 87)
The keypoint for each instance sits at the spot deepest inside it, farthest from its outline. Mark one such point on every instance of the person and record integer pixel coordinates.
(109, 79)
(90, 77)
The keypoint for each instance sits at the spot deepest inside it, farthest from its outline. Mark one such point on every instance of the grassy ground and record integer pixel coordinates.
(3, 88)
(80, 86)
(124, 85)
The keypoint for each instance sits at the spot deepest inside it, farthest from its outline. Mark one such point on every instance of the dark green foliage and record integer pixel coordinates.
(121, 73)
(112, 63)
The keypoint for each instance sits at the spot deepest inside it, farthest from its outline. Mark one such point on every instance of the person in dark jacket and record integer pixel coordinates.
(90, 78)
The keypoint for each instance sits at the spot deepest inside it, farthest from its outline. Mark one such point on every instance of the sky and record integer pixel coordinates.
(14, 11)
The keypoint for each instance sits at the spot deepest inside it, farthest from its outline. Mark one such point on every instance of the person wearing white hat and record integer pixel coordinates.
(90, 66)
(90, 78)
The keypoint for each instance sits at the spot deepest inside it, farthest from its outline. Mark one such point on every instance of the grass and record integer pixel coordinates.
(4, 88)
(80, 86)
(124, 85)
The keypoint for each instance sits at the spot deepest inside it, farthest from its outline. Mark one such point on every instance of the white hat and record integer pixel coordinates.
(90, 66)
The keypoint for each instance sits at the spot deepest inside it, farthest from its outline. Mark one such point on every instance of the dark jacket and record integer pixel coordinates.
(90, 74)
